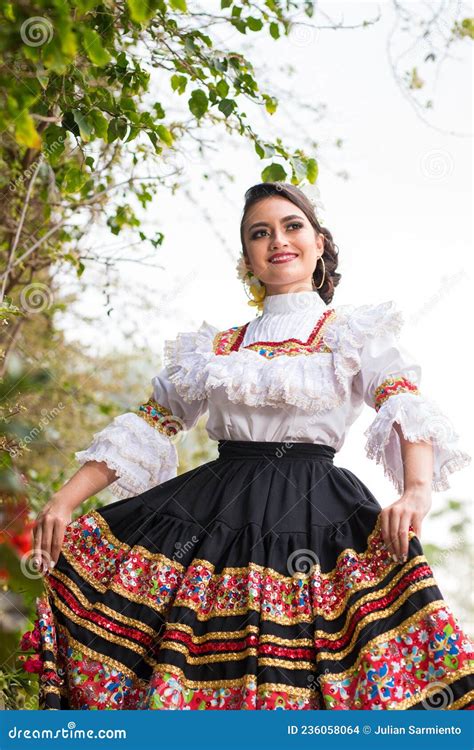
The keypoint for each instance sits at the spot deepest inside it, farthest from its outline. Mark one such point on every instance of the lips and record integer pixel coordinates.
(282, 257)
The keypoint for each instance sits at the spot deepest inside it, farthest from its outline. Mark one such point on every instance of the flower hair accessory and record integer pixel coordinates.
(313, 193)
(256, 289)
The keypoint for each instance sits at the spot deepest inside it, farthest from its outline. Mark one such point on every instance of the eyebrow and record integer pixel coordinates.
(265, 224)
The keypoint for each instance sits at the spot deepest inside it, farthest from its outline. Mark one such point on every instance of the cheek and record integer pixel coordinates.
(257, 257)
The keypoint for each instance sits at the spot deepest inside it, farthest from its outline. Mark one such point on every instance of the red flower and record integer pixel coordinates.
(30, 640)
(33, 664)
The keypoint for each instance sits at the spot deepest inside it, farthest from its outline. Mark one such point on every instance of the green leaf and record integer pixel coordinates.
(227, 106)
(179, 5)
(73, 179)
(99, 123)
(165, 135)
(271, 104)
(198, 103)
(54, 138)
(222, 88)
(141, 10)
(25, 131)
(274, 173)
(85, 127)
(178, 83)
(312, 170)
(274, 30)
(67, 39)
(92, 43)
(117, 129)
(254, 24)
(259, 150)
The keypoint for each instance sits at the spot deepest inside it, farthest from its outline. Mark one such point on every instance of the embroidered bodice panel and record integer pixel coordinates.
(301, 371)
(298, 353)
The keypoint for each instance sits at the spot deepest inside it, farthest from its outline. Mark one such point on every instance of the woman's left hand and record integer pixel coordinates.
(408, 510)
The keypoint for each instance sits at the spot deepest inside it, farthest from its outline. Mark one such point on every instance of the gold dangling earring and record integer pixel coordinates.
(255, 291)
(324, 272)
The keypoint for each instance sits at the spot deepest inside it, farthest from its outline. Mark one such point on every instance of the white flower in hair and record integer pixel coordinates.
(256, 288)
(242, 270)
(313, 193)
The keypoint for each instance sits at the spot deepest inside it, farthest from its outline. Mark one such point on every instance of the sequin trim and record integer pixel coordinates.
(159, 417)
(158, 581)
(391, 387)
(230, 340)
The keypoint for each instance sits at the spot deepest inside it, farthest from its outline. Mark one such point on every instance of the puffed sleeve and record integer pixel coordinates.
(141, 445)
(389, 381)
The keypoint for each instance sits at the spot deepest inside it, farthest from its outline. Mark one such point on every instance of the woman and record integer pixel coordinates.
(268, 577)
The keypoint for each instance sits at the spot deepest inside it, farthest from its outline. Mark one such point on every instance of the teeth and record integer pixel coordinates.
(283, 257)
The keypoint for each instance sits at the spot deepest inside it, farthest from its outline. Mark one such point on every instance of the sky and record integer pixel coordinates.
(402, 220)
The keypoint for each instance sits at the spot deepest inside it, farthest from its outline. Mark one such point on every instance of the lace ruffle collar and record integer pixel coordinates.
(316, 381)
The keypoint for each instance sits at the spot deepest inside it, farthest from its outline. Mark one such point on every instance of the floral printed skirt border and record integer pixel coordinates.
(257, 581)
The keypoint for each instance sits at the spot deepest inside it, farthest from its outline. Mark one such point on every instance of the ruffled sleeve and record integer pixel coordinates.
(389, 381)
(141, 445)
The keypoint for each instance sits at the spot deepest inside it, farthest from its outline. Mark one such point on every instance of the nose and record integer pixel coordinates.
(278, 240)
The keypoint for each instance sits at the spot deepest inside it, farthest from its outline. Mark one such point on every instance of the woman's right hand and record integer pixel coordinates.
(48, 533)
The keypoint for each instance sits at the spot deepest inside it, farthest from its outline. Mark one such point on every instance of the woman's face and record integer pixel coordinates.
(282, 245)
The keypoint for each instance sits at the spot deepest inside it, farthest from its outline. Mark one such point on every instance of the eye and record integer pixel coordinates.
(256, 234)
(296, 224)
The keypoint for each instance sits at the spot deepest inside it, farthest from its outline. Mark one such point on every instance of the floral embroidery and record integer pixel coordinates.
(159, 417)
(156, 580)
(169, 690)
(231, 340)
(396, 669)
(401, 667)
(391, 387)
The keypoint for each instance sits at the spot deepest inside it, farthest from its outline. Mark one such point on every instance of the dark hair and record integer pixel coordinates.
(295, 195)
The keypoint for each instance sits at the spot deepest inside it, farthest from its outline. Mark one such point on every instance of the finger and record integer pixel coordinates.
(416, 523)
(384, 526)
(403, 536)
(58, 535)
(37, 548)
(46, 543)
(394, 524)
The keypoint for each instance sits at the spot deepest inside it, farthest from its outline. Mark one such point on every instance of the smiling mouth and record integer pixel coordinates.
(283, 258)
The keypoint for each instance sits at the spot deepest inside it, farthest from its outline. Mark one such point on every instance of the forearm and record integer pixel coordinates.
(91, 478)
(417, 458)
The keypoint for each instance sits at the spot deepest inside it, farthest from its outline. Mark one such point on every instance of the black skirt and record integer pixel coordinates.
(258, 580)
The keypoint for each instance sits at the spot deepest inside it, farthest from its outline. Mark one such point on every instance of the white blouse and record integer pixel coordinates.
(299, 372)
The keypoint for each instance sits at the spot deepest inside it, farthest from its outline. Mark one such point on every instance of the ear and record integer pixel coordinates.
(247, 263)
